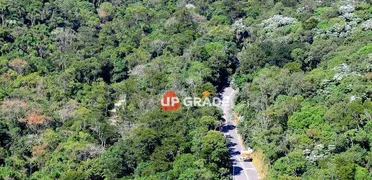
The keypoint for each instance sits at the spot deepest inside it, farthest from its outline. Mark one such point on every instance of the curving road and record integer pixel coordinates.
(241, 170)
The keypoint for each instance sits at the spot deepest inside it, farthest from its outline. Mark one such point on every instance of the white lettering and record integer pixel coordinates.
(167, 102)
(187, 102)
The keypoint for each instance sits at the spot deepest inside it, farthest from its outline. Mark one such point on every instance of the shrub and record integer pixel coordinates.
(324, 24)
(219, 20)
(293, 66)
(18, 65)
(322, 10)
(365, 50)
(311, 23)
(362, 6)
(292, 28)
(105, 11)
(326, 12)
(368, 76)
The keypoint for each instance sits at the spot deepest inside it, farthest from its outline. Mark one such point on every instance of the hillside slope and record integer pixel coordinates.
(303, 70)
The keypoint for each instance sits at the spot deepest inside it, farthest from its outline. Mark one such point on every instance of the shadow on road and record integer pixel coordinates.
(236, 170)
(231, 144)
(234, 153)
(227, 128)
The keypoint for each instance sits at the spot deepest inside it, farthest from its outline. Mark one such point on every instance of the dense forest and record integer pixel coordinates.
(303, 69)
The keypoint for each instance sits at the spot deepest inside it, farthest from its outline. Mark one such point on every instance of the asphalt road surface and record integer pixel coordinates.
(241, 170)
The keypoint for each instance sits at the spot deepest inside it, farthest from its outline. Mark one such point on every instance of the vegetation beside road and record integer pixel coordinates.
(305, 88)
(260, 163)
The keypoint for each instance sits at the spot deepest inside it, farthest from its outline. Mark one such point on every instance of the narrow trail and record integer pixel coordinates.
(241, 170)
(113, 112)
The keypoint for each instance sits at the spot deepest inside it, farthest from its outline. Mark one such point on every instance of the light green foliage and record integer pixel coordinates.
(307, 117)
(364, 10)
(214, 48)
(365, 50)
(326, 12)
(293, 165)
(311, 23)
(324, 24)
(221, 32)
(362, 173)
(317, 75)
(298, 54)
(105, 11)
(199, 72)
(137, 13)
(220, 19)
(293, 67)
(292, 28)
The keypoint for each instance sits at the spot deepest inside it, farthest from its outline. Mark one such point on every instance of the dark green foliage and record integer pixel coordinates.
(64, 66)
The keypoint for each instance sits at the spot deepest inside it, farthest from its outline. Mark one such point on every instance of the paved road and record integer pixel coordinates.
(241, 170)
